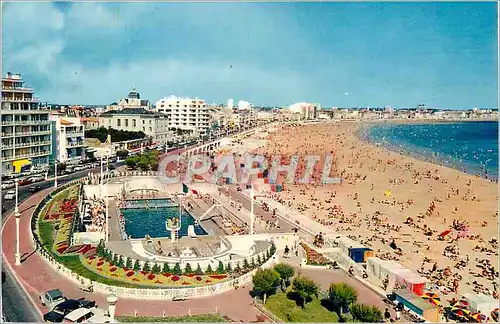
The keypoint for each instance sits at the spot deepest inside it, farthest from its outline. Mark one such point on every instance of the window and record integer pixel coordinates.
(143, 121)
(150, 122)
(134, 123)
(118, 122)
(150, 129)
(126, 122)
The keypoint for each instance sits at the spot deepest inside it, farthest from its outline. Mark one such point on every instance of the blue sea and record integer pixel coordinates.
(467, 146)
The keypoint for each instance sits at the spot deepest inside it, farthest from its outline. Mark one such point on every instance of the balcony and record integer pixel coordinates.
(13, 99)
(22, 134)
(23, 156)
(17, 89)
(78, 144)
(74, 134)
(25, 122)
(33, 143)
(24, 111)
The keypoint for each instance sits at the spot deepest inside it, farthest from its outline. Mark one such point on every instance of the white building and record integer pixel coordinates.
(244, 105)
(26, 128)
(304, 110)
(186, 114)
(151, 123)
(68, 139)
(266, 115)
(132, 101)
(230, 104)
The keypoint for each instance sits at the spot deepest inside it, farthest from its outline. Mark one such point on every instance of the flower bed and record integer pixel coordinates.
(314, 257)
(145, 278)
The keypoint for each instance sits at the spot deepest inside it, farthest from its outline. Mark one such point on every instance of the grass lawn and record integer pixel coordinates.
(194, 318)
(287, 310)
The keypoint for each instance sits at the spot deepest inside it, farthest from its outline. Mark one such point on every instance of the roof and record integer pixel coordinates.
(66, 122)
(77, 313)
(55, 293)
(131, 111)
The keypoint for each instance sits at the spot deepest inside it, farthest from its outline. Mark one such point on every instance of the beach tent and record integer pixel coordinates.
(480, 302)
(397, 277)
(387, 267)
(360, 254)
(373, 266)
(345, 244)
(417, 305)
(413, 281)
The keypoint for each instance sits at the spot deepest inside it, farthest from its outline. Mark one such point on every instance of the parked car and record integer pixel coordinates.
(8, 184)
(35, 188)
(37, 178)
(26, 181)
(85, 315)
(10, 195)
(51, 298)
(79, 168)
(61, 310)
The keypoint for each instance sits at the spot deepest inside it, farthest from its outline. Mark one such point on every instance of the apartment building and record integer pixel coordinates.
(26, 128)
(304, 110)
(186, 114)
(151, 123)
(68, 139)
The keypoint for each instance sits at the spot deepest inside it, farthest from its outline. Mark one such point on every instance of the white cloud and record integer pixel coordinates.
(94, 15)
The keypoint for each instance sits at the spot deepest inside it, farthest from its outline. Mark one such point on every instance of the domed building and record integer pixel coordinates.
(132, 101)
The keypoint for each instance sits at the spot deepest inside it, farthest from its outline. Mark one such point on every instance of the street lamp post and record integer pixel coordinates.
(107, 201)
(55, 174)
(18, 216)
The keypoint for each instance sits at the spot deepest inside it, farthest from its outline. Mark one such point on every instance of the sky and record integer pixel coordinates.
(443, 55)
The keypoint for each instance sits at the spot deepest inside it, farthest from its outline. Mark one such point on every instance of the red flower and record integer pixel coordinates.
(208, 281)
(218, 277)
(91, 257)
(191, 275)
(100, 263)
(144, 273)
(112, 269)
(198, 278)
(175, 278)
(185, 283)
(151, 276)
(168, 274)
(125, 269)
(130, 273)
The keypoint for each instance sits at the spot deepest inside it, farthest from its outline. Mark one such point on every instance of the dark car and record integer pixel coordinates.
(35, 188)
(60, 311)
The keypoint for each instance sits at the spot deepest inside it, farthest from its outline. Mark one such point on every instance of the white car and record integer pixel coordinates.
(10, 195)
(86, 315)
(8, 184)
(37, 178)
(79, 168)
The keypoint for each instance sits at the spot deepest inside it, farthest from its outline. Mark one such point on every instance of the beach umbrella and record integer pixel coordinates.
(432, 298)
(448, 231)
(459, 311)
(463, 303)
(478, 317)
(388, 193)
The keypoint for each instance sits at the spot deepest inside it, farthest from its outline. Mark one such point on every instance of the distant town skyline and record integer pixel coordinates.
(270, 54)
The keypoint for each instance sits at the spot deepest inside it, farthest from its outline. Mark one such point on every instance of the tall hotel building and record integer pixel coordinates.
(185, 113)
(26, 128)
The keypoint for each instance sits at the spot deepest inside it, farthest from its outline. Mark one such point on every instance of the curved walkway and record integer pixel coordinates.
(37, 276)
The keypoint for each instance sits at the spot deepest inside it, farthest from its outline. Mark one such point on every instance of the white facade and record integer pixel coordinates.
(185, 113)
(304, 110)
(137, 119)
(26, 128)
(265, 115)
(244, 105)
(230, 104)
(68, 138)
(132, 101)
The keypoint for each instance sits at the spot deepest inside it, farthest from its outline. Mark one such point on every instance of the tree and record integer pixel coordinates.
(285, 271)
(209, 270)
(342, 295)
(122, 154)
(198, 270)
(121, 262)
(137, 265)
(305, 288)
(245, 264)
(115, 259)
(237, 268)
(156, 269)
(166, 268)
(100, 248)
(146, 267)
(265, 282)
(366, 314)
(131, 162)
(259, 260)
(128, 263)
(143, 163)
(187, 269)
(177, 269)
(252, 263)
(229, 269)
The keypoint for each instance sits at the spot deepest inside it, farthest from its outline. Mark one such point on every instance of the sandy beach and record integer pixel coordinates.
(386, 197)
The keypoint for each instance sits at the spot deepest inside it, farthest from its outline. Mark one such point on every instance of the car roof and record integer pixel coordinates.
(77, 313)
(70, 303)
(55, 293)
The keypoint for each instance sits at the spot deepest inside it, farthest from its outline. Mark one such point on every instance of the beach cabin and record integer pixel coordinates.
(413, 281)
(360, 255)
(354, 250)
(373, 266)
(481, 303)
(387, 270)
(419, 306)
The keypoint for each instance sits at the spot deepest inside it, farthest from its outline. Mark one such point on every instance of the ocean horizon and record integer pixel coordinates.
(466, 146)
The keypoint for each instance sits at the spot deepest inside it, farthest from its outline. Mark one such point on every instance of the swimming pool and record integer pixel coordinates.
(140, 222)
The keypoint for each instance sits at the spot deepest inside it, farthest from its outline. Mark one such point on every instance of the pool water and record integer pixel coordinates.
(140, 222)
